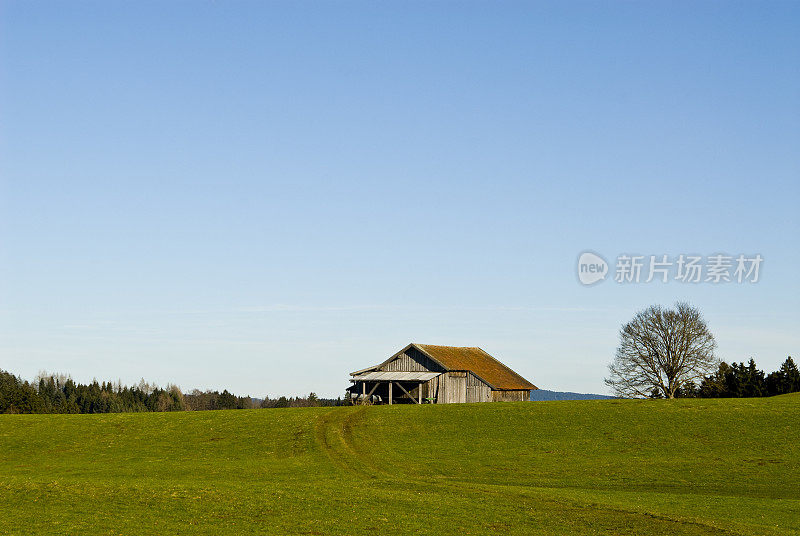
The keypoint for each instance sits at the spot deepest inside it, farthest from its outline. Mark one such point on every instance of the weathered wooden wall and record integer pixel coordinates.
(451, 387)
(510, 396)
(477, 390)
(430, 389)
(412, 361)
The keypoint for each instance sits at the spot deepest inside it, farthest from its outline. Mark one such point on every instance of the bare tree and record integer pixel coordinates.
(662, 349)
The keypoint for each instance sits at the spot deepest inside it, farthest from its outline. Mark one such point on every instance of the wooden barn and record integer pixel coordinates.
(439, 375)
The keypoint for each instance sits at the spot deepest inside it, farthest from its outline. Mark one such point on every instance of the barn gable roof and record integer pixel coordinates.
(479, 362)
(473, 359)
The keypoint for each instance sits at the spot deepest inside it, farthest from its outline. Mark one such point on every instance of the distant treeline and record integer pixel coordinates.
(58, 393)
(740, 380)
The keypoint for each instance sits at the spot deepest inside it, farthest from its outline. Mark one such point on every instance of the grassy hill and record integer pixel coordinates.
(586, 467)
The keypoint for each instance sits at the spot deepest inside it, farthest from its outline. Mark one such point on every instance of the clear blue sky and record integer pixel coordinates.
(264, 196)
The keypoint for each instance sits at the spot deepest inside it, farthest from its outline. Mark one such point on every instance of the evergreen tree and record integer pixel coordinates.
(784, 380)
(714, 385)
(790, 376)
(226, 400)
(753, 382)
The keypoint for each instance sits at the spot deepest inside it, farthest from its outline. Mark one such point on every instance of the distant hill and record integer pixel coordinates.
(540, 395)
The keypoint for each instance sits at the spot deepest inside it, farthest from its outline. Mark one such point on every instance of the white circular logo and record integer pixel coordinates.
(592, 268)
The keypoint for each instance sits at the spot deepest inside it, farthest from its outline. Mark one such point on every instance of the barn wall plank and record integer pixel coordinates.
(477, 389)
(412, 360)
(510, 396)
(456, 387)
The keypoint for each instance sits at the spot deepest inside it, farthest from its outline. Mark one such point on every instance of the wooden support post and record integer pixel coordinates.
(419, 393)
(390, 393)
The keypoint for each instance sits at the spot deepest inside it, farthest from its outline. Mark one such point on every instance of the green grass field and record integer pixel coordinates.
(590, 467)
